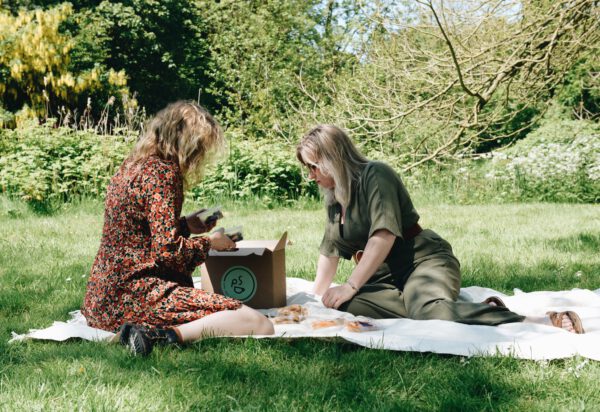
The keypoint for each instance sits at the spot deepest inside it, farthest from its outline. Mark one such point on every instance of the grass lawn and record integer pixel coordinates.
(45, 261)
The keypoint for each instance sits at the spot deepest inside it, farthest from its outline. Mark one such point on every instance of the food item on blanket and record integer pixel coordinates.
(292, 310)
(286, 319)
(360, 325)
(327, 323)
(290, 314)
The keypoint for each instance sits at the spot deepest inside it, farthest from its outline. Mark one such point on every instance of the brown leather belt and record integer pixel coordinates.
(407, 235)
(412, 232)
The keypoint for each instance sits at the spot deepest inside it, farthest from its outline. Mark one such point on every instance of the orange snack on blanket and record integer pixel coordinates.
(361, 325)
(327, 323)
(286, 319)
(290, 314)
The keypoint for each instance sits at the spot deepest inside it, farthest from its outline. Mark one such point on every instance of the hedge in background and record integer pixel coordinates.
(42, 164)
(261, 169)
(558, 162)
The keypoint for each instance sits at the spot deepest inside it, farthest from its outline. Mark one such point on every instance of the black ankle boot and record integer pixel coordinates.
(124, 333)
(141, 340)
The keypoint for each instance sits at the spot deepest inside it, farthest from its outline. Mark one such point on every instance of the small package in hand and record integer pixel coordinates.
(234, 233)
(211, 215)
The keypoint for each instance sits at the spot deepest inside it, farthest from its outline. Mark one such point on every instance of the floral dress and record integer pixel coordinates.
(143, 270)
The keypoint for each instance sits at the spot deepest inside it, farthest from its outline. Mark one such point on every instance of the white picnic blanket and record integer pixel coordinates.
(521, 340)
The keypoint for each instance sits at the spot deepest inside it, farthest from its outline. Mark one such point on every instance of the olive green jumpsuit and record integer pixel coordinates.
(420, 278)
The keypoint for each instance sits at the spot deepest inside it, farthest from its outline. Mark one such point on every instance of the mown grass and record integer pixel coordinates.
(45, 259)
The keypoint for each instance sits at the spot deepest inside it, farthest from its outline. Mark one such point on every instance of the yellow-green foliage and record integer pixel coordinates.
(35, 57)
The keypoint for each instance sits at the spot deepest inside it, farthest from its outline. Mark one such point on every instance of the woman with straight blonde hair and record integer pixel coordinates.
(141, 280)
(402, 270)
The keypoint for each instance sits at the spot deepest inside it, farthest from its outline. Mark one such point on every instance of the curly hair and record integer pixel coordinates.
(184, 132)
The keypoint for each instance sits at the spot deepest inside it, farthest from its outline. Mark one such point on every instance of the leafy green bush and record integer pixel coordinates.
(554, 131)
(262, 169)
(558, 162)
(42, 164)
(559, 172)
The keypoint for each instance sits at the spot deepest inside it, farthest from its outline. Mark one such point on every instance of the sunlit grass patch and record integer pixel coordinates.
(45, 260)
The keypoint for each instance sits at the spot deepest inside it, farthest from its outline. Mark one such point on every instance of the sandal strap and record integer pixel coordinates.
(557, 317)
(496, 301)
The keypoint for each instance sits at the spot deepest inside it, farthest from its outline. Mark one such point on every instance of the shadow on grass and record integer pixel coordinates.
(582, 242)
(299, 374)
(544, 276)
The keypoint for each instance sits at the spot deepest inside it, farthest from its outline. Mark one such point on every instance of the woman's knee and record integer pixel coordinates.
(259, 323)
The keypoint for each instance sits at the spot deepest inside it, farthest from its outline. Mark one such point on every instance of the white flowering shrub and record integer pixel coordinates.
(557, 162)
(551, 171)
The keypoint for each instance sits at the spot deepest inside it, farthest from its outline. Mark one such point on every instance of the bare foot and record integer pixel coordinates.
(568, 321)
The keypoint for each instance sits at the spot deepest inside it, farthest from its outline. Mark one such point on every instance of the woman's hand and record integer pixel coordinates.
(326, 268)
(335, 296)
(220, 241)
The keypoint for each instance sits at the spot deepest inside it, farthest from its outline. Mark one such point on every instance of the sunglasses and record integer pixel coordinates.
(311, 166)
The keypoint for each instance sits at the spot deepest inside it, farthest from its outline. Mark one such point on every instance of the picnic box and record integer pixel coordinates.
(254, 273)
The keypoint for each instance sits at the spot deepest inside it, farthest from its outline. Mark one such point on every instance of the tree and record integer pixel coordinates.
(436, 77)
(161, 46)
(257, 51)
(35, 71)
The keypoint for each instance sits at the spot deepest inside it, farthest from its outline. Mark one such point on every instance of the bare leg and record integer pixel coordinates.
(243, 321)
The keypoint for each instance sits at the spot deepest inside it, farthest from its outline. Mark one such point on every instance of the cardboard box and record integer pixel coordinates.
(254, 273)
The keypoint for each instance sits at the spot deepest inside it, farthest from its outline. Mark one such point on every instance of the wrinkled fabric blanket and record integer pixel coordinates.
(521, 340)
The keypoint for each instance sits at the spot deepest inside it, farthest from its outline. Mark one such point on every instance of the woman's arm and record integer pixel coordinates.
(160, 189)
(377, 249)
(326, 269)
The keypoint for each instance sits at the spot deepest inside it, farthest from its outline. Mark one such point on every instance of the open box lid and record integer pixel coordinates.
(253, 247)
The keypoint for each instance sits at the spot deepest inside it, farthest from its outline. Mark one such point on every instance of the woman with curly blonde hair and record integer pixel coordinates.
(141, 280)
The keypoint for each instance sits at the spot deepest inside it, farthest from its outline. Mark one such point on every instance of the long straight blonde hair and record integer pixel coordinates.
(183, 132)
(335, 155)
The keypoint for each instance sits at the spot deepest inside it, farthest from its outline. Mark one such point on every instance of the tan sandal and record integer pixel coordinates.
(495, 300)
(557, 317)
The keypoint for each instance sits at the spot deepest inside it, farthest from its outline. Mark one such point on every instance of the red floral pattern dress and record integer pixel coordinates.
(143, 270)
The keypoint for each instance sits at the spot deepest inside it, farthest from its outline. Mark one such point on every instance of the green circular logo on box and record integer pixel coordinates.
(239, 283)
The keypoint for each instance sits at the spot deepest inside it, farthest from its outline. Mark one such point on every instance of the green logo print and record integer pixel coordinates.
(239, 282)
